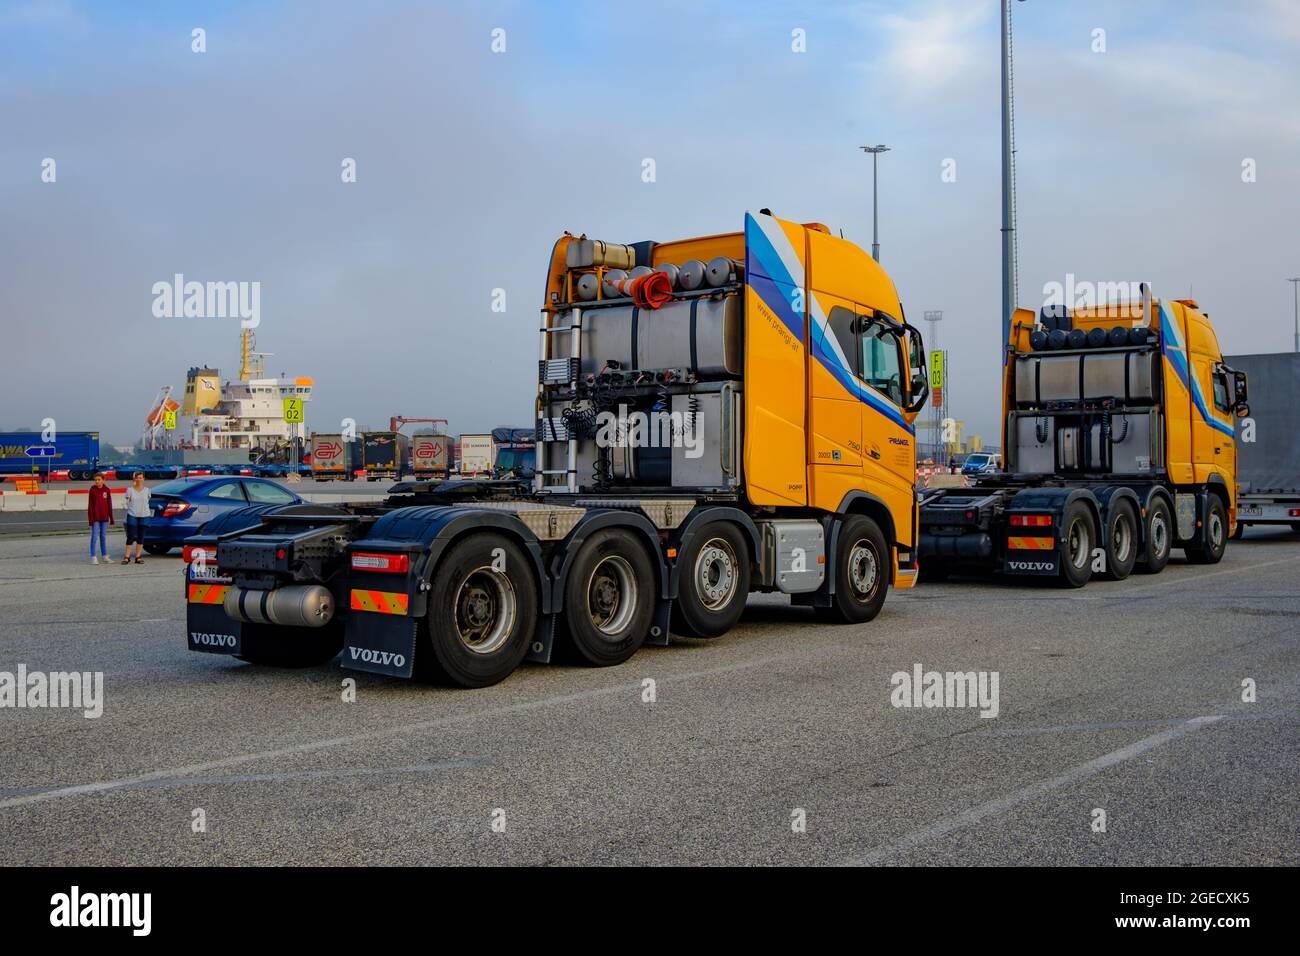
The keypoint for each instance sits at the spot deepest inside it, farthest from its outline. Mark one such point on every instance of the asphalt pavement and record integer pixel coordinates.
(776, 744)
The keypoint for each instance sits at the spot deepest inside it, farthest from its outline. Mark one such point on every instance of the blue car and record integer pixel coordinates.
(182, 507)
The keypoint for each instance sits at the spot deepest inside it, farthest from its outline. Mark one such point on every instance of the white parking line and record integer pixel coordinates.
(1032, 792)
(315, 745)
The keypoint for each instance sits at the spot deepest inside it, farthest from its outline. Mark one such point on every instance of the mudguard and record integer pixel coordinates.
(1043, 559)
(207, 627)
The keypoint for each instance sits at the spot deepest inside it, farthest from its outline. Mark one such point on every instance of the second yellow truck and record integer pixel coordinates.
(1118, 443)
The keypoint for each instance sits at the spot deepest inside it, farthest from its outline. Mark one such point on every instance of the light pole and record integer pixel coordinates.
(1295, 287)
(875, 152)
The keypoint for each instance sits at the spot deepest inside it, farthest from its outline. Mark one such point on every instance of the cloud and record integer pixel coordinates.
(926, 54)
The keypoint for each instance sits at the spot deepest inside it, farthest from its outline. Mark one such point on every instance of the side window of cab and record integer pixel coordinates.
(881, 362)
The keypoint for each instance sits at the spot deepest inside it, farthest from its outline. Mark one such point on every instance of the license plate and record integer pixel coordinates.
(1254, 510)
(204, 572)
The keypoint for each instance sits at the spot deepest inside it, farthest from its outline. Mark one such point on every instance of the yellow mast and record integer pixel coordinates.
(250, 362)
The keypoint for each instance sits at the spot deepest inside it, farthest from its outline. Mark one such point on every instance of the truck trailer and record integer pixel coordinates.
(1268, 453)
(474, 455)
(430, 456)
(25, 454)
(715, 416)
(1118, 447)
(385, 455)
(334, 457)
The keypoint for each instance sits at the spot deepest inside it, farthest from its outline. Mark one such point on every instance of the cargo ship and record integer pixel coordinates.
(233, 422)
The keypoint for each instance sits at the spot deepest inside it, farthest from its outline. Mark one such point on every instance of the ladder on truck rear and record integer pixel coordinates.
(557, 373)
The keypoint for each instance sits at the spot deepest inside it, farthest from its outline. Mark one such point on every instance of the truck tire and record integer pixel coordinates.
(609, 599)
(482, 613)
(1295, 527)
(861, 573)
(1079, 537)
(1213, 537)
(1239, 532)
(1121, 540)
(714, 582)
(270, 646)
(1159, 537)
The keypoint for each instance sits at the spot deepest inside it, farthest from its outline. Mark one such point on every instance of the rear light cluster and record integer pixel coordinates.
(1294, 513)
(175, 509)
(1031, 521)
(373, 561)
(192, 552)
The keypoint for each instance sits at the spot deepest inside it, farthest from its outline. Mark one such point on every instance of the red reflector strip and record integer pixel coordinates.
(381, 602)
(371, 561)
(207, 593)
(1031, 521)
(1031, 544)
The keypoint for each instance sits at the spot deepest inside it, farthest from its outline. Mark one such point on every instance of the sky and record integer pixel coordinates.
(1165, 149)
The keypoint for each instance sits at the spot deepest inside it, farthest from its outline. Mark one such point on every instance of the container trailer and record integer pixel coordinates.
(385, 455)
(1268, 452)
(26, 454)
(334, 456)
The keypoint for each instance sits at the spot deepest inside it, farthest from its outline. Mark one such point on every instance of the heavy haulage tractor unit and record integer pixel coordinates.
(715, 416)
(1118, 441)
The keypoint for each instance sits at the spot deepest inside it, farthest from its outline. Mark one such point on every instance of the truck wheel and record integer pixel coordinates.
(270, 646)
(1121, 540)
(609, 598)
(1080, 536)
(714, 582)
(1159, 537)
(1239, 532)
(482, 612)
(861, 573)
(1214, 535)
(1295, 527)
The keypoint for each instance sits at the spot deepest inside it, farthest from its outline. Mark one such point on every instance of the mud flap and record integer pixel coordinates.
(1046, 563)
(379, 644)
(210, 631)
(658, 635)
(539, 651)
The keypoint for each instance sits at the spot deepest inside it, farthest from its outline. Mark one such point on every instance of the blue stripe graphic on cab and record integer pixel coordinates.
(862, 392)
(1177, 356)
(768, 276)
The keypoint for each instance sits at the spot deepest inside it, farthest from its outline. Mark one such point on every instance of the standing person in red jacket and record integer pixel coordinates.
(99, 511)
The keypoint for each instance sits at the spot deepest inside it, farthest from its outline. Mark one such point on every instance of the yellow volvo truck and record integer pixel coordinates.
(715, 416)
(1118, 443)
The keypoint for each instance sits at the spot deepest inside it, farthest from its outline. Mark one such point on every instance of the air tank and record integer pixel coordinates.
(691, 275)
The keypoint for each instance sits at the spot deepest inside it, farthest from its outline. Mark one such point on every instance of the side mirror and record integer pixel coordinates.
(918, 390)
(1239, 386)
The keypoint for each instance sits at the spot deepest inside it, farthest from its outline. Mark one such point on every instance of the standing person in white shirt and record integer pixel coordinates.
(137, 517)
